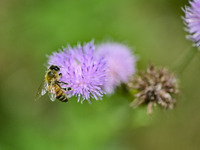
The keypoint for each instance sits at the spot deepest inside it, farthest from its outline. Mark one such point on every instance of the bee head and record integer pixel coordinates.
(54, 68)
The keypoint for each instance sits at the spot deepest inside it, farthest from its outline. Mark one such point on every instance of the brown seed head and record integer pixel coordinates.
(155, 86)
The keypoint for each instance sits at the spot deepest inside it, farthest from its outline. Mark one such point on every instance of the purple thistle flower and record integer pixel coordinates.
(192, 21)
(121, 64)
(84, 73)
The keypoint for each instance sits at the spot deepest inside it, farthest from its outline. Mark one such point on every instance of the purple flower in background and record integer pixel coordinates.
(121, 64)
(192, 21)
(85, 73)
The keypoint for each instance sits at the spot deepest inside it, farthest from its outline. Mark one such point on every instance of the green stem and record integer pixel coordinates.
(181, 67)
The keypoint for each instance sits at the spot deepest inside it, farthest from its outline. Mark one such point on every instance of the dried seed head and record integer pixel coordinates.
(155, 86)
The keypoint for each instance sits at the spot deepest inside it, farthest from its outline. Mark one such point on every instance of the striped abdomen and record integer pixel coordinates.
(60, 94)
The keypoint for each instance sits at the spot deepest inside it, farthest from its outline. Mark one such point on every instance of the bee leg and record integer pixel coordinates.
(62, 82)
(60, 74)
(67, 89)
(64, 89)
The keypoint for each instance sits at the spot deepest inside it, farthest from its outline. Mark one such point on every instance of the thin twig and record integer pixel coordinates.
(186, 61)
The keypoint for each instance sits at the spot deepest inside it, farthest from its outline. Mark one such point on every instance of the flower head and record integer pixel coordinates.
(154, 86)
(192, 21)
(121, 64)
(84, 73)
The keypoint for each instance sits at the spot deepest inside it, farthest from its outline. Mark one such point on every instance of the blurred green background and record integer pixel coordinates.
(31, 29)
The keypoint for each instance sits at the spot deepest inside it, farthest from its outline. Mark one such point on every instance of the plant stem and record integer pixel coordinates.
(188, 58)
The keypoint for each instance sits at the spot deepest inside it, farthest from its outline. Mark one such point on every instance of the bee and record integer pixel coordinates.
(52, 84)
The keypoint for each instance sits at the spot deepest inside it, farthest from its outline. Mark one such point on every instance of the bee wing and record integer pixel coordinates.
(52, 92)
(41, 90)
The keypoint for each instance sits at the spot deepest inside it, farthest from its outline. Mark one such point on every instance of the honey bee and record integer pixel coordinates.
(52, 84)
